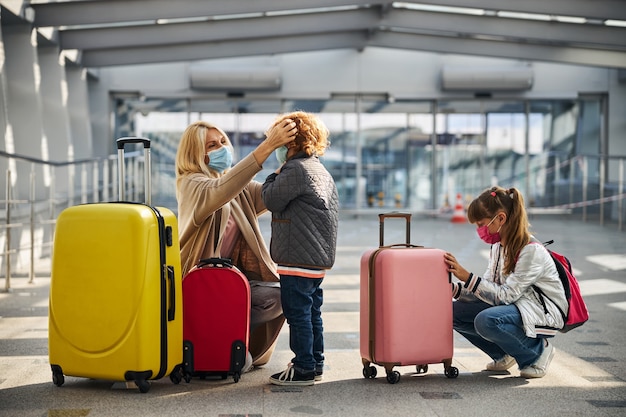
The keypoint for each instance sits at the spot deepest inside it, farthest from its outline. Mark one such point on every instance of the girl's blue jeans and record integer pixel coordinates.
(302, 300)
(496, 330)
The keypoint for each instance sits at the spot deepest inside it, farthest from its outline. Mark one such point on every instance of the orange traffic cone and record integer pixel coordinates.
(459, 213)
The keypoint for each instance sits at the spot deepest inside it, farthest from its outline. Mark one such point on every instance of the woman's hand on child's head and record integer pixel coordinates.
(281, 133)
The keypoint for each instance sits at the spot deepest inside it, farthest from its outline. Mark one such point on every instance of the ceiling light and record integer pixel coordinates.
(612, 22)
(524, 16)
(570, 19)
(440, 9)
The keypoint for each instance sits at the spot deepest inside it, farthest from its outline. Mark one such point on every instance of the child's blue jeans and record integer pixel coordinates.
(302, 300)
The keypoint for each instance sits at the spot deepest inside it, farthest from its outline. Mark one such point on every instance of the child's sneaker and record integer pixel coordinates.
(319, 373)
(291, 376)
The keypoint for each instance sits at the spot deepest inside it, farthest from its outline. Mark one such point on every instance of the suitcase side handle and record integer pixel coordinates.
(171, 312)
(121, 168)
(394, 214)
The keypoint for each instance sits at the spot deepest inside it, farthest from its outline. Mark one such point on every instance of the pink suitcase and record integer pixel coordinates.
(406, 307)
(216, 320)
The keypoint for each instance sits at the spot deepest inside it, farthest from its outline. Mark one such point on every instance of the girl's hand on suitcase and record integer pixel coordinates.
(455, 268)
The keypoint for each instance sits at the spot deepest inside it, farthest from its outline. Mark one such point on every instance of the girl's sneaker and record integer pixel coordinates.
(501, 364)
(539, 368)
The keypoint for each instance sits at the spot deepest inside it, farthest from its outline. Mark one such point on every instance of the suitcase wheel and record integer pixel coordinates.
(140, 378)
(57, 375)
(421, 369)
(393, 377)
(177, 375)
(143, 385)
(369, 372)
(452, 372)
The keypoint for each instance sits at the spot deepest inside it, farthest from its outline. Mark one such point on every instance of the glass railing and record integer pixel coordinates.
(35, 191)
(32, 202)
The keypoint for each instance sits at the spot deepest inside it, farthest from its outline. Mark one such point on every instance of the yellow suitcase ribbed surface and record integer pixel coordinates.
(106, 314)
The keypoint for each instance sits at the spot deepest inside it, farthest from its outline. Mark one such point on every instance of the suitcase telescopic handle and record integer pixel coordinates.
(121, 168)
(121, 142)
(394, 214)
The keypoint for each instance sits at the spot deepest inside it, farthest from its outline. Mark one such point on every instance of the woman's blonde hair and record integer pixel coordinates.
(191, 150)
(516, 228)
(312, 136)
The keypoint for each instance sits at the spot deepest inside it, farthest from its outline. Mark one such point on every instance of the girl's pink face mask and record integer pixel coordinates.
(490, 238)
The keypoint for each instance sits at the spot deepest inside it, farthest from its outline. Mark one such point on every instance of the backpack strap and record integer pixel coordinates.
(562, 276)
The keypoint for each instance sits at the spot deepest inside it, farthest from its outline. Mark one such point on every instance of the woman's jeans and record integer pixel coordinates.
(302, 301)
(496, 330)
(264, 304)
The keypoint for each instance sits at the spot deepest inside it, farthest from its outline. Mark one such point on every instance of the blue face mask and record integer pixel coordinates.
(281, 154)
(220, 159)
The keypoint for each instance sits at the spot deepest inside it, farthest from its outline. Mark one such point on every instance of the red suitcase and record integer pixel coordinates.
(216, 320)
(406, 307)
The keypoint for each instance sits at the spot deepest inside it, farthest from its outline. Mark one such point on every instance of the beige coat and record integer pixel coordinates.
(204, 205)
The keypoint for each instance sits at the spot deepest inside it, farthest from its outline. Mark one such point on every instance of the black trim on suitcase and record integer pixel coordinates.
(187, 359)
(237, 357)
(165, 314)
(237, 362)
(165, 238)
(372, 305)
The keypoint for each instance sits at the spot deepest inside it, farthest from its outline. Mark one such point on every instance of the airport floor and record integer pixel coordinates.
(586, 378)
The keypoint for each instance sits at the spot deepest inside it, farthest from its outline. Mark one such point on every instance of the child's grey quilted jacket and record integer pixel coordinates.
(304, 204)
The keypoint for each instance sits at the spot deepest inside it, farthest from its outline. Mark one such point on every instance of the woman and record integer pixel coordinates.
(503, 313)
(218, 207)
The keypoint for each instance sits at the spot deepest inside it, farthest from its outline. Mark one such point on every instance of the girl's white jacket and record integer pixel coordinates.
(534, 267)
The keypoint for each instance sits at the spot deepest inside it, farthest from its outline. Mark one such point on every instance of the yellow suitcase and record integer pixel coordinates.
(115, 310)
